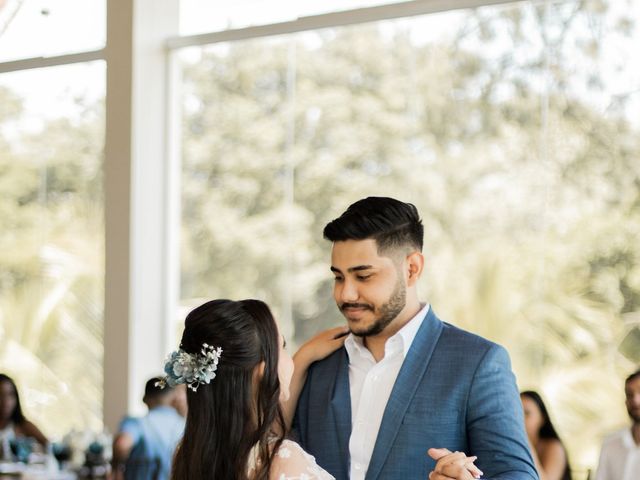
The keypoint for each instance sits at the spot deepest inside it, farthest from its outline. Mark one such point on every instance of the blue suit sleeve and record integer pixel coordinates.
(495, 422)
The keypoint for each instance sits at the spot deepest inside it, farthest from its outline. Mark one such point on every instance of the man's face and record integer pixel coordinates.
(632, 392)
(368, 289)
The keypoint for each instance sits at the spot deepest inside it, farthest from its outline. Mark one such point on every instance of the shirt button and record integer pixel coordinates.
(358, 466)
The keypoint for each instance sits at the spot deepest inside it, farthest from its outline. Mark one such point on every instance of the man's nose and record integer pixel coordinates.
(348, 292)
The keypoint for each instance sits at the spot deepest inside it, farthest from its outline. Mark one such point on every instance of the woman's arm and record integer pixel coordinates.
(28, 429)
(317, 348)
(550, 459)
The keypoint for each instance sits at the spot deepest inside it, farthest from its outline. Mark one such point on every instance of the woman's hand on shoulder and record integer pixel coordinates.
(320, 346)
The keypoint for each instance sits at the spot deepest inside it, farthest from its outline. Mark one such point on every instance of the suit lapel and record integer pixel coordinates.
(412, 370)
(341, 406)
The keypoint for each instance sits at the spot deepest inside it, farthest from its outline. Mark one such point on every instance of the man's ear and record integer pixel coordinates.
(415, 265)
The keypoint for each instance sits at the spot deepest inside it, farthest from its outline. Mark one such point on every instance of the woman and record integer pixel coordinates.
(12, 421)
(547, 449)
(237, 373)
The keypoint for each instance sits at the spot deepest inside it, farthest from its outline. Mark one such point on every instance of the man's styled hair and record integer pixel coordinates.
(390, 222)
(633, 376)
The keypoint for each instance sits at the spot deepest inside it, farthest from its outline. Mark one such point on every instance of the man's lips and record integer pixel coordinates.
(355, 307)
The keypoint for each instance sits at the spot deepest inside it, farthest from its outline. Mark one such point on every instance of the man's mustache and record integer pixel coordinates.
(345, 305)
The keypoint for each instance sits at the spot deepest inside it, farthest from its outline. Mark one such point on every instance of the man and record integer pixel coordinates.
(143, 448)
(406, 390)
(620, 454)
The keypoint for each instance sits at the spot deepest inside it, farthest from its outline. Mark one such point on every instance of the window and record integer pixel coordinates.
(44, 28)
(510, 127)
(52, 242)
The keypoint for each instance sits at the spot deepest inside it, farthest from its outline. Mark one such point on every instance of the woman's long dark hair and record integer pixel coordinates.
(17, 417)
(547, 430)
(227, 417)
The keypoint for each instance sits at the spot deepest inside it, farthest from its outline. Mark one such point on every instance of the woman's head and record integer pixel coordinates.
(536, 418)
(538, 424)
(240, 406)
(10, 408)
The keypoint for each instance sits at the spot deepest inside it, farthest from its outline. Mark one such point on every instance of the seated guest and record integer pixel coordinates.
(547, 449)
(180, 399)
(13, 423)
(143, 447)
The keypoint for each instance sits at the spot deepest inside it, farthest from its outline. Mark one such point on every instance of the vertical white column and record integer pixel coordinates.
(137, 201)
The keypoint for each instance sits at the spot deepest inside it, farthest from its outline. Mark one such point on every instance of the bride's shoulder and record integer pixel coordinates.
(291, 462)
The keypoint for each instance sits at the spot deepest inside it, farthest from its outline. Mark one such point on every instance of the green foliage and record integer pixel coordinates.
(51, 266)
(528, 190)
(504, 134)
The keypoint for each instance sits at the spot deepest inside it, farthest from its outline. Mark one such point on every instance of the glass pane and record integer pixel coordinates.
(46, 28)
(52, 243)
(515, 133)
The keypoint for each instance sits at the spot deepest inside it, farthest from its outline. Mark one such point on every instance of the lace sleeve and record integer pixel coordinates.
(291, 462)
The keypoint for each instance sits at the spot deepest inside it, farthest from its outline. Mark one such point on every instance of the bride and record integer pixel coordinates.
(239, 377)
(242, 391)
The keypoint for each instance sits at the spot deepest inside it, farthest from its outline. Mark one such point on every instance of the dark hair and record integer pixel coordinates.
(547, 430)
(151, 390)
(17, 417)
(391, 223)
(229, 416)
(632, 377)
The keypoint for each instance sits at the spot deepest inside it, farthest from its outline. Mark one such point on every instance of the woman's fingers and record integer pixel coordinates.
(455, 465)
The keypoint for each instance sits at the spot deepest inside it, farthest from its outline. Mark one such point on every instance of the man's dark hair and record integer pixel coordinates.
(632, 377)
(151, 390)
(391, 223)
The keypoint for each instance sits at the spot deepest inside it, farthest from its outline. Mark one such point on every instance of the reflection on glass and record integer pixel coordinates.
(51, 243)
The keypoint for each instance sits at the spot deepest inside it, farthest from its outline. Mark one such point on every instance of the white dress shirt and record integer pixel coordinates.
(619, 458)
(370, 385)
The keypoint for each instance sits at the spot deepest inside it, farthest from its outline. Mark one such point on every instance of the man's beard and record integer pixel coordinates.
(388, 311)
(635, 416)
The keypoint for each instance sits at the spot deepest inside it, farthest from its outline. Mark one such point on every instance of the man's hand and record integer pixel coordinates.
(453, 465)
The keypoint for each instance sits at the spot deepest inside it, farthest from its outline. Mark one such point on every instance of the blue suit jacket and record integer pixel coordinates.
(454, 390)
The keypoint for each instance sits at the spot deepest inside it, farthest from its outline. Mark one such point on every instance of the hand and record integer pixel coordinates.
(315, 349)
(453, 466)
(320, 346)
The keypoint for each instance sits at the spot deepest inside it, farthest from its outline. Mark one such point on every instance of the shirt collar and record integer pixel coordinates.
(627, 439)
(354, 345)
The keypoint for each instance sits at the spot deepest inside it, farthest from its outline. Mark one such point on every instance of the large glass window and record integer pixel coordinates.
(510, 127)
(44, 28)
(52, 242)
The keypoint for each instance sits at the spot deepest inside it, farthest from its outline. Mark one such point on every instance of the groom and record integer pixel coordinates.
(407, 389)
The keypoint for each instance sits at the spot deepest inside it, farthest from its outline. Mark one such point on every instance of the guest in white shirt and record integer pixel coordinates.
(620, 454)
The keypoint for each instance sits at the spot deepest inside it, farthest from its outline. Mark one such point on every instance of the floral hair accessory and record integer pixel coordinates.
(192, 369)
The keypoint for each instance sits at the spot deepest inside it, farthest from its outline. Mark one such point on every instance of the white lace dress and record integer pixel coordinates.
(291, 462)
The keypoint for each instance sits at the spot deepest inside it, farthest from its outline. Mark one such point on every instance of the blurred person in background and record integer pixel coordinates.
(180, 399)
(143, 447)
(547, 449)
(620, 454)
(13, 423)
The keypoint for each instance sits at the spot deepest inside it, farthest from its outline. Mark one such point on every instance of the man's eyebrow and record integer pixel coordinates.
(353, 269)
